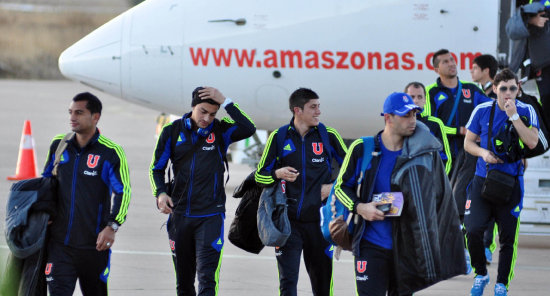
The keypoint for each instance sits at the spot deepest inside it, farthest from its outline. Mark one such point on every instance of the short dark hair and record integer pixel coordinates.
(300, 97)
(92, 102)
(505, 75)
(435, 61)
(485, 61)
(195, 99)
(416, 84)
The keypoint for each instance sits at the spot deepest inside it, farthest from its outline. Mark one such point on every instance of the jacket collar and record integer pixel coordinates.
(420, 142)
(439, 84)
(293, 128)
(93, 140)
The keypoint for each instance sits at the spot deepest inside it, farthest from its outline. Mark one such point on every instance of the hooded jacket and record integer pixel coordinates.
(428, 245)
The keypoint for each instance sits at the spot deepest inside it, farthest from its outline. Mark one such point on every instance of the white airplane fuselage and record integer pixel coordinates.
(352, 53)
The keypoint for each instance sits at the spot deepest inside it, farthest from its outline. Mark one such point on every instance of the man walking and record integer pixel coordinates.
(304, 162)
(401, 255)
(196, 145)
(514, 124)
(453, 100)
(93, 198)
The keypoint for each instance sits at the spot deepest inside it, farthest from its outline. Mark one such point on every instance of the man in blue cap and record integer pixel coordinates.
(424, 245)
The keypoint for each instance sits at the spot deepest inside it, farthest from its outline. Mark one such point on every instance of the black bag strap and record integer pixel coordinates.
(281, 137)
(221, 146)
(489, 142)
(490, 134)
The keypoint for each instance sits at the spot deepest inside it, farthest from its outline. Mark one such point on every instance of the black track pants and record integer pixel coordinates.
(197, 246)
(477, 216)
(317, 258)
(65, 265)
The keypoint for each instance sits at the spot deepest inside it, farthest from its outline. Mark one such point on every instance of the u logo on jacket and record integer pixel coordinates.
(466, 93)
(48, 269)
(317, 148)
(361, 266)
(93, 160)
(211, 138)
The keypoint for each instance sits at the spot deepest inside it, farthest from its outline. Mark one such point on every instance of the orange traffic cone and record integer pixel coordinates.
(26, 161)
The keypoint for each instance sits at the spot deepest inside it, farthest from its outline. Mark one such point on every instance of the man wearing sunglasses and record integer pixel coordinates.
(505, 111)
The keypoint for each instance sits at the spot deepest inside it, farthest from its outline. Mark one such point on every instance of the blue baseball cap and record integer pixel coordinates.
(399, 104)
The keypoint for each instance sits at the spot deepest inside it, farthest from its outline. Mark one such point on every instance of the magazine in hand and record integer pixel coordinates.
(396, 200)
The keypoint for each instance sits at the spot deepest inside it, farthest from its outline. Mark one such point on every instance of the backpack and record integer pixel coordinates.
(243, 231)
(542, 145)
(333, 207)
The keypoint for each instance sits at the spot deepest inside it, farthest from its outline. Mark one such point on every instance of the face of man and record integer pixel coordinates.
(447, 66)
(310, 114)
(403, 126)
(417, 94)
(81, 119)
(506, 91)
(540, 19)
(203, 114)
(478, 75)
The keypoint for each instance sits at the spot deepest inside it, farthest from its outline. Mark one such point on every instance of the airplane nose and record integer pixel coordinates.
(95, 59)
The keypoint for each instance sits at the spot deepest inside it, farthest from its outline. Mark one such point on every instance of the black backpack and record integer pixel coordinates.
(542, 145)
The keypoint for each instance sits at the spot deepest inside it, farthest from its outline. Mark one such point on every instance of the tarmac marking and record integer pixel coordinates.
(268, 258)
(272, 258)
(225, 256)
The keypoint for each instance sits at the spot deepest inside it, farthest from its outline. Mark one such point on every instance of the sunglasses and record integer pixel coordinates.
(505, 88)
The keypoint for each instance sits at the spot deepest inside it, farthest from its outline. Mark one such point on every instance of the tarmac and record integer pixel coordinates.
(141, 262)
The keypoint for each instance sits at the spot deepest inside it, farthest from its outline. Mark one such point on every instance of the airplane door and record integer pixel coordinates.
(152, 55)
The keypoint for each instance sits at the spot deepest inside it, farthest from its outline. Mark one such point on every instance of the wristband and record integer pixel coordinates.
(226, 102)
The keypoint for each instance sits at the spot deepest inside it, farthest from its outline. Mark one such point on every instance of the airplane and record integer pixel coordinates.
(353, 53)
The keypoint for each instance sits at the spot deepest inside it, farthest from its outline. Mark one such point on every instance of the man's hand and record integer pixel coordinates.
(165, 204)
(369, 211)
(105, 239)
(489, 157)
(287, 173)
(325, 191)
(510, 107)
(538, 20)
(211, 93)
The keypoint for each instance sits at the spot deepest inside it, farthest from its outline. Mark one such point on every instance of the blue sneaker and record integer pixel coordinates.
(488, 255)
(468, 261)
(500, 290)
(480, 281)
